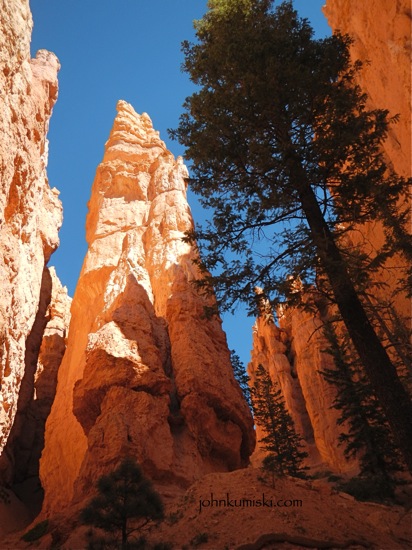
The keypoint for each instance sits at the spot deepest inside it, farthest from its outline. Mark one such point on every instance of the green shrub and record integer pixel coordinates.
(372, 488)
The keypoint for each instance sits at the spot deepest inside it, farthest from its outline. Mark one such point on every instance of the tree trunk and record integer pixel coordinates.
(388, 388)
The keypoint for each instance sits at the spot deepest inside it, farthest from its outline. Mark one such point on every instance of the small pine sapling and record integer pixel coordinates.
(281, 441)
(125, 503)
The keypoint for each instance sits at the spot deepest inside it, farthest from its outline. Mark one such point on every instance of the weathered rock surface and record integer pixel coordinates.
(296, 515)
(30, 212)
(45, 348)
(145, 374)
(14, 517)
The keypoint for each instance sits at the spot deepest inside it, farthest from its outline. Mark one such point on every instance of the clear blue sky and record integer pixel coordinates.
(111, 50)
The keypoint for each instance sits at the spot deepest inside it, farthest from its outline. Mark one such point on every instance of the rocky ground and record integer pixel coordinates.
(317, 517)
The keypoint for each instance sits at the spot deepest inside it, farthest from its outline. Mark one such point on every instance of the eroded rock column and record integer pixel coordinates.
(145, 374)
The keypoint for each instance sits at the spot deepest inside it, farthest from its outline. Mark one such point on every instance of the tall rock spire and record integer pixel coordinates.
(145, 373)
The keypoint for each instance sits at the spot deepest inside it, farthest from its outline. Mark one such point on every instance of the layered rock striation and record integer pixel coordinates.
(145, 373)
(30, 211)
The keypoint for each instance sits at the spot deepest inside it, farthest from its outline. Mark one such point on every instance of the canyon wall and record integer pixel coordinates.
(292, 352)
(30, 211)
(145, 373)
(381, 33)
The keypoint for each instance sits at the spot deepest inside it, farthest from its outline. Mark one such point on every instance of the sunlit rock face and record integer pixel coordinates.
(381, 32)
(30, 212)
(145, 373)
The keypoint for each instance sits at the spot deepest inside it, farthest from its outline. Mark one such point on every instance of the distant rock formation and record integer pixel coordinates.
(293, 355)
(145, 373)
(30, 213)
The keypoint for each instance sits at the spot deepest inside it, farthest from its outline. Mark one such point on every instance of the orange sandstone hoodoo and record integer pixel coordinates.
(145, 373)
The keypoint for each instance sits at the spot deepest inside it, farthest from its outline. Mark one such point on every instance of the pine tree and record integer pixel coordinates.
(281, 442)
(241, 376)
(125, 503)
(369, 437)
(395, 332)
(288, 156)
